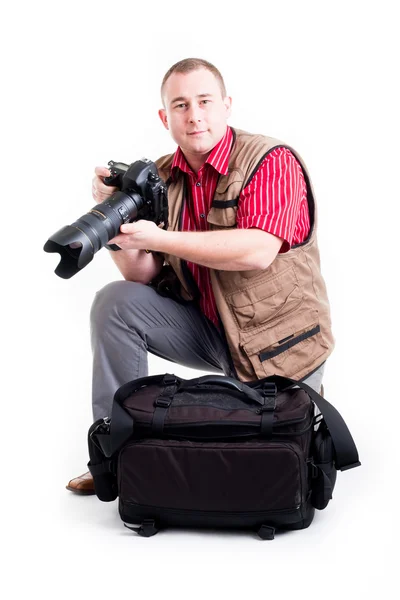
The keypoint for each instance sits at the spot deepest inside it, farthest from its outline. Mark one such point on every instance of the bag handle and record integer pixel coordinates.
(129, 388)
(346, 454)
(121, 427)
(227, 382)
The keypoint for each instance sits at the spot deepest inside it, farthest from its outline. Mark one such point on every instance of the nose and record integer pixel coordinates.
(194, 115)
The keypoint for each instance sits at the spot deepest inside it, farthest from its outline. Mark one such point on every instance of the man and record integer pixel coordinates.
(241, 261)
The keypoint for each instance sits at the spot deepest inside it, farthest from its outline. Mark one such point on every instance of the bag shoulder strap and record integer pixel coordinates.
(346, 454)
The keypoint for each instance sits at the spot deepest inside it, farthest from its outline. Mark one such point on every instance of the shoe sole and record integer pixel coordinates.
(81, 492)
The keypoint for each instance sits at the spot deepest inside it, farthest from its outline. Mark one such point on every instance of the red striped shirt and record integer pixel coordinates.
(275, 200)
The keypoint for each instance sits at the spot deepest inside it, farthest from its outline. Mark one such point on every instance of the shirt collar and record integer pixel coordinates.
(218, 157)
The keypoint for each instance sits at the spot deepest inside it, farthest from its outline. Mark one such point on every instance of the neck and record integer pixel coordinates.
(196, 161)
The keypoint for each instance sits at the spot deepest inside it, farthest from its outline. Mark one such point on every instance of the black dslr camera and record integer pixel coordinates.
(142, 195)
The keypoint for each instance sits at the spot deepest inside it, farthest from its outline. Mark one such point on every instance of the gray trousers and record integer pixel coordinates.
(129, 319)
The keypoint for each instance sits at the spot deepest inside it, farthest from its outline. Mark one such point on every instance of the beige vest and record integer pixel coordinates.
(276, 320)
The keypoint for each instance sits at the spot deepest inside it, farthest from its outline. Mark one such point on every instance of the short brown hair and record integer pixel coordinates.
(192, 64)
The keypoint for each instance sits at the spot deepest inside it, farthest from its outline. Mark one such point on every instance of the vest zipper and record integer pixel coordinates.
(289, 344)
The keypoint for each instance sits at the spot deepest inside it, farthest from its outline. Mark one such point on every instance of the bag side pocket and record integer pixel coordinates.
(324, 472)
(103, 469)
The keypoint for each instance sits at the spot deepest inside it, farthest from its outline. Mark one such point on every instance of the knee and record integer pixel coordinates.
(112, 298)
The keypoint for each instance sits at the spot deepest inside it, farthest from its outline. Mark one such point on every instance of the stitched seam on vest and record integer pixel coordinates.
(264, 327)
(300, 338)
(312, 275)
(261, 281)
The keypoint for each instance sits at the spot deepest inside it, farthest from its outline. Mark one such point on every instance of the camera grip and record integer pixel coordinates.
(112, 180)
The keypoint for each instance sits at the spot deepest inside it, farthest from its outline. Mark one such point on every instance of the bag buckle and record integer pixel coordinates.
(269, 391)
(163, 402)
(169, 379)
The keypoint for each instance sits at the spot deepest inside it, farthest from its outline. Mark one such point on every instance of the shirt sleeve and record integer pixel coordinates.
(274, 197)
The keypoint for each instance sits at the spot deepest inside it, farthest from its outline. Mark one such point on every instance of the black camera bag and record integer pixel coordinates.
(215, 452)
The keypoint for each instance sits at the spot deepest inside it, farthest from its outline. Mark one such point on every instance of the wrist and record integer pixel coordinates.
(160, 244)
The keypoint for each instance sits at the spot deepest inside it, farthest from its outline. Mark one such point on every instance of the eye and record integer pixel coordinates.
(180, 105)
(206, 101)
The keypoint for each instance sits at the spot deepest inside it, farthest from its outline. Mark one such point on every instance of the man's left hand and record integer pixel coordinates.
(141, 235)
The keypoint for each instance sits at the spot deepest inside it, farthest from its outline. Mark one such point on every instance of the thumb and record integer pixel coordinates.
(127, 228)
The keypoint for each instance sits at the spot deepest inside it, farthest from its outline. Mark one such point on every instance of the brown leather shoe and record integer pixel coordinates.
(82, 485)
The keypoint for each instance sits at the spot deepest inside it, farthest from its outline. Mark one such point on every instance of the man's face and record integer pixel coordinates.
(195, 112)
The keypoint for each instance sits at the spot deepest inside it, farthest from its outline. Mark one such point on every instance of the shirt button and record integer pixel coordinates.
(198, 184)
(202, 215)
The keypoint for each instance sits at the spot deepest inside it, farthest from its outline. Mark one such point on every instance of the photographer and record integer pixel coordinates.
(241, 261)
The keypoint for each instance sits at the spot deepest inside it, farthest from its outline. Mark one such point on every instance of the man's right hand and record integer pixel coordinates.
(101, 191)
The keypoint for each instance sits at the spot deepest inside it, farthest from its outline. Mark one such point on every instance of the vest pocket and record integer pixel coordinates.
(222, 217)
(296, 341)
(288, 342)
(266, 300)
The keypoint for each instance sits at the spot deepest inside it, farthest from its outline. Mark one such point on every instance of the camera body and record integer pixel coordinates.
(142, 195)
(141, 177)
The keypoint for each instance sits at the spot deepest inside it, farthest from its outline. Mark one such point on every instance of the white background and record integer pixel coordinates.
(80, 87)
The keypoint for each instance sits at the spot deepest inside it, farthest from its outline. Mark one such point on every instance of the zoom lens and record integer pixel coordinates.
(79, 242)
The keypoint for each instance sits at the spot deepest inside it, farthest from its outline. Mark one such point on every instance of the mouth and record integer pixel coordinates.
(194, 133)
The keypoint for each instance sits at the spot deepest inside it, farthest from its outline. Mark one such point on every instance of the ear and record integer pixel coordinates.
(228, 106)
(162, 113)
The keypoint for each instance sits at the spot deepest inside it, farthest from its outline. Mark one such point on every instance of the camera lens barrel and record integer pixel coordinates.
(92, 231)
(103, 221)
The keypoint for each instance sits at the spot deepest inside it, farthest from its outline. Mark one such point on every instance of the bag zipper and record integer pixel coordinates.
(171, 429)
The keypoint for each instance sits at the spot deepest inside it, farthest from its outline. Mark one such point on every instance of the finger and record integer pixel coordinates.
(120, 240)
(102, 172)
(103, 192)
(128, 228)
(100, 191)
